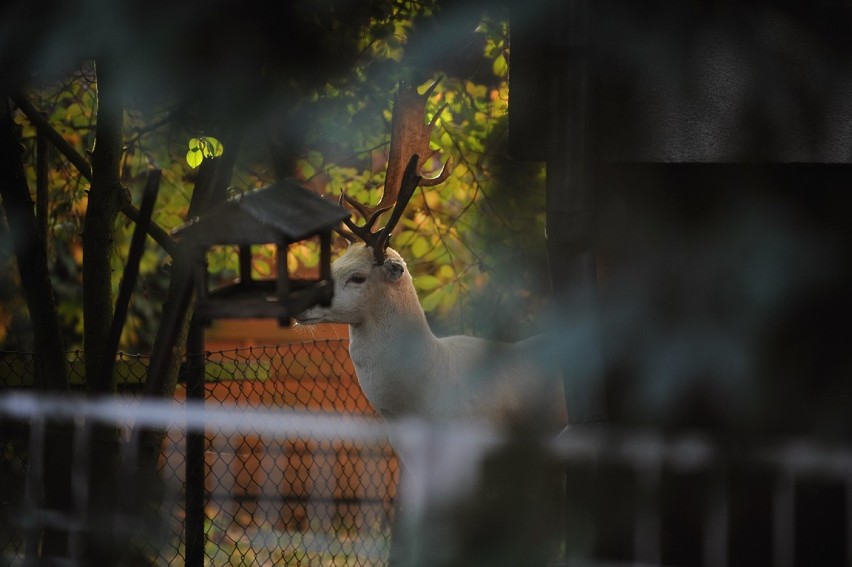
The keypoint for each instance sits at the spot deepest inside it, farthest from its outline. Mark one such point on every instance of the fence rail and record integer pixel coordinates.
(263, 477)
(308, 486)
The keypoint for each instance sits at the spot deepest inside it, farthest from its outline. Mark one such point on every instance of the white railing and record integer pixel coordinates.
(449, 466)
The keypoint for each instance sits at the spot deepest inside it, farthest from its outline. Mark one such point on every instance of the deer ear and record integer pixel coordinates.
(392, 269)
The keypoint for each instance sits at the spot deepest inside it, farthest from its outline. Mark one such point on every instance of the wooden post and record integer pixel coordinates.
(245, 265)
(131, 272)
(195, 439)
(282, 280)
(549, 117)
(570, 196)
(325, 268)
(549, 121)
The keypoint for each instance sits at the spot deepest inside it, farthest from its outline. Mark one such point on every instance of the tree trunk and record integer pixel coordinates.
(104, 202)
(101, 212)
(210, 189)
(51, 373)
(31, 253)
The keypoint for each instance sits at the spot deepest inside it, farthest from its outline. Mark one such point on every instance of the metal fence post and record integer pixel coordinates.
(195, 489)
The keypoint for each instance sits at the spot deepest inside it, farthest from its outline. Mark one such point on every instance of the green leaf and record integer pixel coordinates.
(404, 238)
(194, 157)
(426, 282)
(420, 247)
(315, 159)
(306, 169)
(446, 140)
(474, 90)
(431, 301)
(212, 147)
(194, 144)
(446, 272)
(451, 295)
(500, 66)
(311, 260)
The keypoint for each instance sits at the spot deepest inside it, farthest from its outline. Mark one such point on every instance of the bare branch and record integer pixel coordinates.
(155, 231)
(48, 131)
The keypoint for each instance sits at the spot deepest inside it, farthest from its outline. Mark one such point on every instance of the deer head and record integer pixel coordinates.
(409, 151)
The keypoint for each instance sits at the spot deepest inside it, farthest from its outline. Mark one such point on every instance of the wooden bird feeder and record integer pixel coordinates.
(280, 214)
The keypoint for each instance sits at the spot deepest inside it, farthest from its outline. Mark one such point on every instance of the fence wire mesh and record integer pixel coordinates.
(294, 477)
(275, 498)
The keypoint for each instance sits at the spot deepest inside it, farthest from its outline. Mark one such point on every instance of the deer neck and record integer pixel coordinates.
(392, 353)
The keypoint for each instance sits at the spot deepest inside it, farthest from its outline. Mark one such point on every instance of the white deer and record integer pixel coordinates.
(405, 371)
(402, 367)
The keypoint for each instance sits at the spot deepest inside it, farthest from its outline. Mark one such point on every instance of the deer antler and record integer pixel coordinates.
(409, 136)
(409, 151)
(378, 241)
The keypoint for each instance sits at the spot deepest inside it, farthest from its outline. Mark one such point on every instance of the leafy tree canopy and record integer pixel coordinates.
(309, 86)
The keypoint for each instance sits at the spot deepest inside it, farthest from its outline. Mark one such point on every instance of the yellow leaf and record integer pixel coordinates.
(212, 147)
(420, 247)
(500, 66)
(426, 282)
(404, 238)
(306, 170)
(474, 90)
(446, 272)
(194, 158)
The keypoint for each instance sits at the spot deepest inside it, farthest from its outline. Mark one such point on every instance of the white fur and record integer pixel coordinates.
(406, 371)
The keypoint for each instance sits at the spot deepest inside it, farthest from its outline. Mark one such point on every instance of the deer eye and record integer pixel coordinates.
(356, 279)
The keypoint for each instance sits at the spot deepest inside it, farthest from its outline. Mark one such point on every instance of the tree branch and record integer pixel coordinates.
(44, 127)
(31, 255)
(48, 131)
(42, 183)
(155, 231)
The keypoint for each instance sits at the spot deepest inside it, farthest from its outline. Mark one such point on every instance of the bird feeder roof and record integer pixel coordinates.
(283, 210)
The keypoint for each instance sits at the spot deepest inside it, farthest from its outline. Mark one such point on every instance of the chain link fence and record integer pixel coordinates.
(297, 471)
(279, 498)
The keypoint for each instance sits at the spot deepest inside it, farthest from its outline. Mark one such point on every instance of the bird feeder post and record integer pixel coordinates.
(245, 265)
(278, 215)
(325, 263)
(282, 279)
